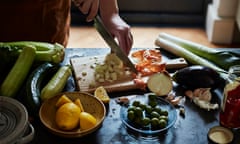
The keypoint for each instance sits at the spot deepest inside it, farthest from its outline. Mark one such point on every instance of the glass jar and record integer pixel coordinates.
(230, 107)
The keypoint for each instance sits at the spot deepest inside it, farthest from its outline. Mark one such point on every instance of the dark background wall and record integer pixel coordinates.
(157, 12)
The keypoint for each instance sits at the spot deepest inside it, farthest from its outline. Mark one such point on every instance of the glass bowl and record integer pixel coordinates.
(147, 130)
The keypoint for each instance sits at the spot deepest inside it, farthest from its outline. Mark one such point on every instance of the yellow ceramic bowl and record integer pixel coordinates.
(90, 103)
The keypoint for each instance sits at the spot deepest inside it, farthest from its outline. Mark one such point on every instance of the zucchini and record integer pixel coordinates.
(16, 77)
(56, 83)
(34, 84)
(45, 52)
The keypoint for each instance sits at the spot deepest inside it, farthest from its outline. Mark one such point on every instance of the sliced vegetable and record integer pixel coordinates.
(223, 59)
(197, 76)
(44, 51)
(160, 83)
(110, 70)
(35, 82)
(18, 73)
(56, 83)
(189, 56)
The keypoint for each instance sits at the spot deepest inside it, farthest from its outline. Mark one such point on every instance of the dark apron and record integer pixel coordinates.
(35, 20)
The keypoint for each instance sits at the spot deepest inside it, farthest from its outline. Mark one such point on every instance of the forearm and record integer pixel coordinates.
(108, 8)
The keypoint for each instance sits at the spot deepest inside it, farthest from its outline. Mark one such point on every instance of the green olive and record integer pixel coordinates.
(164, 112)
(162, 123)
(143, 106)
(136, 103)
(154, 122)
(148, 109)
(138, 120)
(131, 108)
(157, 109)
(152, 103)
(155, 114)
(139, 112)
(131, 115)
(152, 97)
(145, 121)
(163, 117)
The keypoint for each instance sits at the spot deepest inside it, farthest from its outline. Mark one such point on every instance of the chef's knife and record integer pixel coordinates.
(112, 43)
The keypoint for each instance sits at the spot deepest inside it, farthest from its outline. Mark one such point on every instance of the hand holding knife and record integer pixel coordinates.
(112, 43)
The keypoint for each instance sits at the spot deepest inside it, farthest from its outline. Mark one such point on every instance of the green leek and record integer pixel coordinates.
(189, 56)
(223, 59)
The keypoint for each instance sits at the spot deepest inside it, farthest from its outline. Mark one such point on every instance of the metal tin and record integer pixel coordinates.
(14, 125)
(220, 135)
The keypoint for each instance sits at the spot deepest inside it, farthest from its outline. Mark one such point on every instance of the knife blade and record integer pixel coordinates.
(98, 24)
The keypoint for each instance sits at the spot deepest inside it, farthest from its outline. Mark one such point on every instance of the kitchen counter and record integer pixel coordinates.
(192, 128)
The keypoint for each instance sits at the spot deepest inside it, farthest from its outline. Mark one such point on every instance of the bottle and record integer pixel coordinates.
(230, 107)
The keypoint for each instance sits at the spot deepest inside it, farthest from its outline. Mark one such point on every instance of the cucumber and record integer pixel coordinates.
(34, 83)
(56, 83)
(18, 73)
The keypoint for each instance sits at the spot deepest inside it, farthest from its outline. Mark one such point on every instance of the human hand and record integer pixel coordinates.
(120, 30)
(88, 7)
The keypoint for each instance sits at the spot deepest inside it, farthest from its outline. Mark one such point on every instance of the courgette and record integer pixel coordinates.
(45, 52)
(16, 77)
(56, 83)
(35, 82)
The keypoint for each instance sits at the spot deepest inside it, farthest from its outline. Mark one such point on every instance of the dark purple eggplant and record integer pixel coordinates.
(197, 76)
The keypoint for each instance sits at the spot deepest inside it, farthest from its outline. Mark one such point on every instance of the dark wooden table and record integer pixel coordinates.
(191, 129)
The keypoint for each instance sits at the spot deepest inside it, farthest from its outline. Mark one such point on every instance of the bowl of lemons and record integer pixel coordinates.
(72, 114)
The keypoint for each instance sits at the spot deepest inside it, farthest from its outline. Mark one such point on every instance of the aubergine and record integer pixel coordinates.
(197, 76)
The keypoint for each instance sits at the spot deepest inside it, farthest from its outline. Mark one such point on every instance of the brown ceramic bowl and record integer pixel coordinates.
(90, 104)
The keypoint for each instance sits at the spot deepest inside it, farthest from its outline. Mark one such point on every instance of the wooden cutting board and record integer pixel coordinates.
(84, 74)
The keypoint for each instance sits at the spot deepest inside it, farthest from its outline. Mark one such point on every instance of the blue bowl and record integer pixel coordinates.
(162, 103)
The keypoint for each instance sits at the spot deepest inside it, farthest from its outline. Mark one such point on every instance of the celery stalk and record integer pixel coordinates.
(189, 56)
(223, 59)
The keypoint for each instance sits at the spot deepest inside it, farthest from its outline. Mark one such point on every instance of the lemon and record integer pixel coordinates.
(87, 121)
(62, 100)
(67, 116)
(79, 104)
(102, 94)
